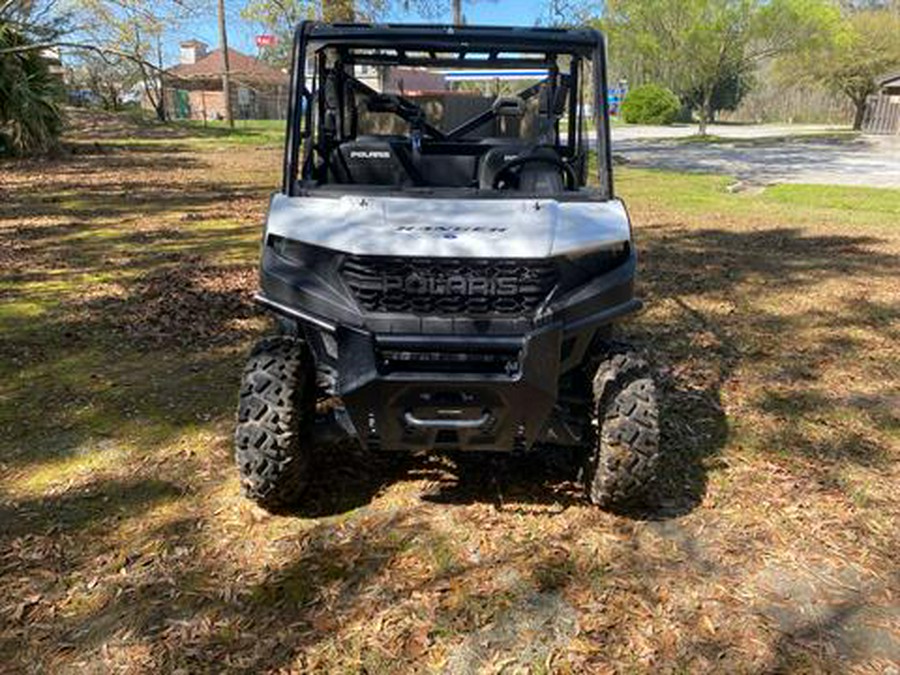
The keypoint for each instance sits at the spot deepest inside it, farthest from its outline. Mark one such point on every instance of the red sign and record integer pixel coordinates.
(266, 40)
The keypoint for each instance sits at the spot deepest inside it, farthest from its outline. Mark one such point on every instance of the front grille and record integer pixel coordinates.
(440, 286)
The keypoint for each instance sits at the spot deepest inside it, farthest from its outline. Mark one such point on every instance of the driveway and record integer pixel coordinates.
(764, 154)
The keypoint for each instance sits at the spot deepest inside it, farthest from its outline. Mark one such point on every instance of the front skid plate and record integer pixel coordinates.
(466, 411)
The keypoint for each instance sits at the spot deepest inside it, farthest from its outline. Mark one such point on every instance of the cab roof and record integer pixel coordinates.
(437, 37)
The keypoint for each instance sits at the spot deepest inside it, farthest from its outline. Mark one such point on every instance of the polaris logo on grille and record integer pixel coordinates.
(450, 229)
(416, 284)
(370, 154)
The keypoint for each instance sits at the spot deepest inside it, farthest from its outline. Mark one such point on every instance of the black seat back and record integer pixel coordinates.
(534, 177)
(542, 178)
(495, 158)
(369, 160)
(439, 170)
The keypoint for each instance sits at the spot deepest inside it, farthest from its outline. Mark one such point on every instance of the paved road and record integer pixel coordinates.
(764, 154)
(631, 132)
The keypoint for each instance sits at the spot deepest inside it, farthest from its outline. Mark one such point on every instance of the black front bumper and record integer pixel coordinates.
(411, 383)
(396, 404)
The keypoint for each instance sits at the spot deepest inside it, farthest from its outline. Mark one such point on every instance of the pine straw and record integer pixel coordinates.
(769, 544)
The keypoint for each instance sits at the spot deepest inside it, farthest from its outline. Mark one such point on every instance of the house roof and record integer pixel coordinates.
(242, 67)
(893, 78)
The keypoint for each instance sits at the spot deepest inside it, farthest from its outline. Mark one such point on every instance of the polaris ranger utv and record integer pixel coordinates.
(443, 276)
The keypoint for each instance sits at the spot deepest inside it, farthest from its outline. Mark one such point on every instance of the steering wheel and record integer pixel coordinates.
(506, 167)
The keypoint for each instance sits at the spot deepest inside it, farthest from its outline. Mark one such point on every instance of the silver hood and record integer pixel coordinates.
(450, 228)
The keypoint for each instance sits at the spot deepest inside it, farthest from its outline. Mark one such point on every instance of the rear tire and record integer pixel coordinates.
(276, 410)
(623, 461)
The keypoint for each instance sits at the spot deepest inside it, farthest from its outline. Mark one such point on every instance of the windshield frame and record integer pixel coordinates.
(504, 47)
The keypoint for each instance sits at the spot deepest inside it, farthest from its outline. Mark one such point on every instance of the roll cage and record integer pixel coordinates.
(322, 79)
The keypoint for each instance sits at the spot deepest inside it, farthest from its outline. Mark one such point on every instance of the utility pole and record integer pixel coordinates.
(457, 13)
(226, 71)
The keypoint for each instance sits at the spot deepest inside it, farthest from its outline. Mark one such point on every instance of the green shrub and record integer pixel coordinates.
(30, 120)
(650, 104)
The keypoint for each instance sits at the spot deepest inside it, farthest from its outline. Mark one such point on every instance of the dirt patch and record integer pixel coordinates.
(837, 610)
(527, 634)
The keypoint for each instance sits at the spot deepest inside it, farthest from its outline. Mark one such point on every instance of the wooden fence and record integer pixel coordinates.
(882, 115)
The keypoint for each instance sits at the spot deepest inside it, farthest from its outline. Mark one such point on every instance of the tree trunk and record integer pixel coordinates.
(706, 110)
(158, 79)
(226, 71)
(457, 13)
(859, 115)
(154, 96)
(161, 111)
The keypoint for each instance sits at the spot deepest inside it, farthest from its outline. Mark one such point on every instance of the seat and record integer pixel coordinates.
(369, 160)
(439, 170)
(504, 150)
(533, 177)
(536, 178)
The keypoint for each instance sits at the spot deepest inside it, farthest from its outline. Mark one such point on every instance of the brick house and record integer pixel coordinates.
(193, 88)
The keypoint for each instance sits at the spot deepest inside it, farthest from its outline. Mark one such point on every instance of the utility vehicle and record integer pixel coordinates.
(446, 259)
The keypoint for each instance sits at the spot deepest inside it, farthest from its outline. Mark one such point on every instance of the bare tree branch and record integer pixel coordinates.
(107, 51)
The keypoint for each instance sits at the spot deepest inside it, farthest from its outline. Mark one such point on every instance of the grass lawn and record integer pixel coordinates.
(769, 545)
(245, 132)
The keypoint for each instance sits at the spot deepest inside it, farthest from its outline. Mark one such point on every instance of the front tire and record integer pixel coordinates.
(623, 461)
(276, 410)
